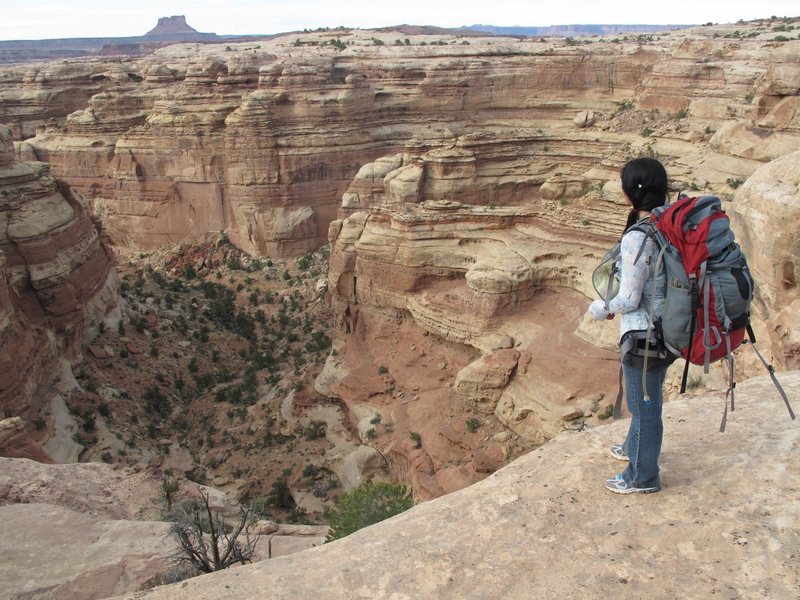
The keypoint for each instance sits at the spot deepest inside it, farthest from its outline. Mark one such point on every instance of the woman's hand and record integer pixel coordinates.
(597, 310)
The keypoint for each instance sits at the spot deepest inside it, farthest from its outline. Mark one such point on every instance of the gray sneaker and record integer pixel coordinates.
(618, 485)
(618, 452)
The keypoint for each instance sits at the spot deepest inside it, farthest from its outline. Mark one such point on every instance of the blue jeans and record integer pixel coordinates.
(643, 443)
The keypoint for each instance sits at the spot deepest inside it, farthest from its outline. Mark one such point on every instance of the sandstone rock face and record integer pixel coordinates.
(498, 284)
(70, 530)
(263, 143)
(765, 215)
(57, 281)
(84, 557)
(32, 95)
(439, 239)
(92, 530)
(483, 381)
(718, 506)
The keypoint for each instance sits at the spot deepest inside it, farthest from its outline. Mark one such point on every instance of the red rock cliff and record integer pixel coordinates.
(57, 282)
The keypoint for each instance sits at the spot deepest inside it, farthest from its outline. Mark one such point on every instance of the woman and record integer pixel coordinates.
(644, 183)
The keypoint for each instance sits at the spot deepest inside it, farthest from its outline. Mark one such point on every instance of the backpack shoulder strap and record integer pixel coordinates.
(647, 228)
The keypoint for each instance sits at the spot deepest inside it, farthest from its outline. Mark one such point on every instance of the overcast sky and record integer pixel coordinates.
(41, 19)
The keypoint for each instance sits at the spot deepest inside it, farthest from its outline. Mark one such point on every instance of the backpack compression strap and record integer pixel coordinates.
(731, 385)
(771, 370)
(695, 300)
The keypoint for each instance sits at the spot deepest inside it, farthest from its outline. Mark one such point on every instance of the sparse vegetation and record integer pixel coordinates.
(367, 504)
(204, 540)
(624, 105)
(735, 183)
(606, 412)
(695, 381)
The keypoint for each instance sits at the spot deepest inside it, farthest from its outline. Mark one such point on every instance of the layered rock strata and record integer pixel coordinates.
(467, 190)
(57, 283)
(264, 144)
(500, 285)
(488, 242)
(262, 140)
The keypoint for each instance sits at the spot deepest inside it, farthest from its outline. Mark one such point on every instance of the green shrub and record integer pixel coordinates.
(472, 424)
(280, 496)
(695, 381)
(315, 430)
(88, 423)
(369, 503)
(734, 183)
(304, 262)
(607, 412)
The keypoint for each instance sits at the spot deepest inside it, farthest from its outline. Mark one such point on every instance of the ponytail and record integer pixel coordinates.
(644, 181)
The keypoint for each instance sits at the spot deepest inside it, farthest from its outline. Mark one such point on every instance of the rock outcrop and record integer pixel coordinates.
(86, 531)
(765, 214)
(56, 283)
(264, 143)
(435, 238)
(722, 523)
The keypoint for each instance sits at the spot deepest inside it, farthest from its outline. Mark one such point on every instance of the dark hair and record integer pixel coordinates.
(644, 181)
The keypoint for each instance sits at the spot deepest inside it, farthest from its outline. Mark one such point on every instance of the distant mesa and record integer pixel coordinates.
(170, 26)
(176, 28)
(169, 30)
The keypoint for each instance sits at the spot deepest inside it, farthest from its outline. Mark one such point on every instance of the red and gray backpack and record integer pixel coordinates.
(709, 289)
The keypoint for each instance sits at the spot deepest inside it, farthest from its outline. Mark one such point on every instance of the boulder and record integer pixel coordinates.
(482, 381)
(765, 214)
(584, 119)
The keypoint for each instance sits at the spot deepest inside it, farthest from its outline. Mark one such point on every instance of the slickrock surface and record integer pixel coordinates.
(93, 488)
(76, 555)
(88, 531)
(68, 531)
(725, 523)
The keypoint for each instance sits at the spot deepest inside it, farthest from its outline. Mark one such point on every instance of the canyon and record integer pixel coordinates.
(453, 195)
